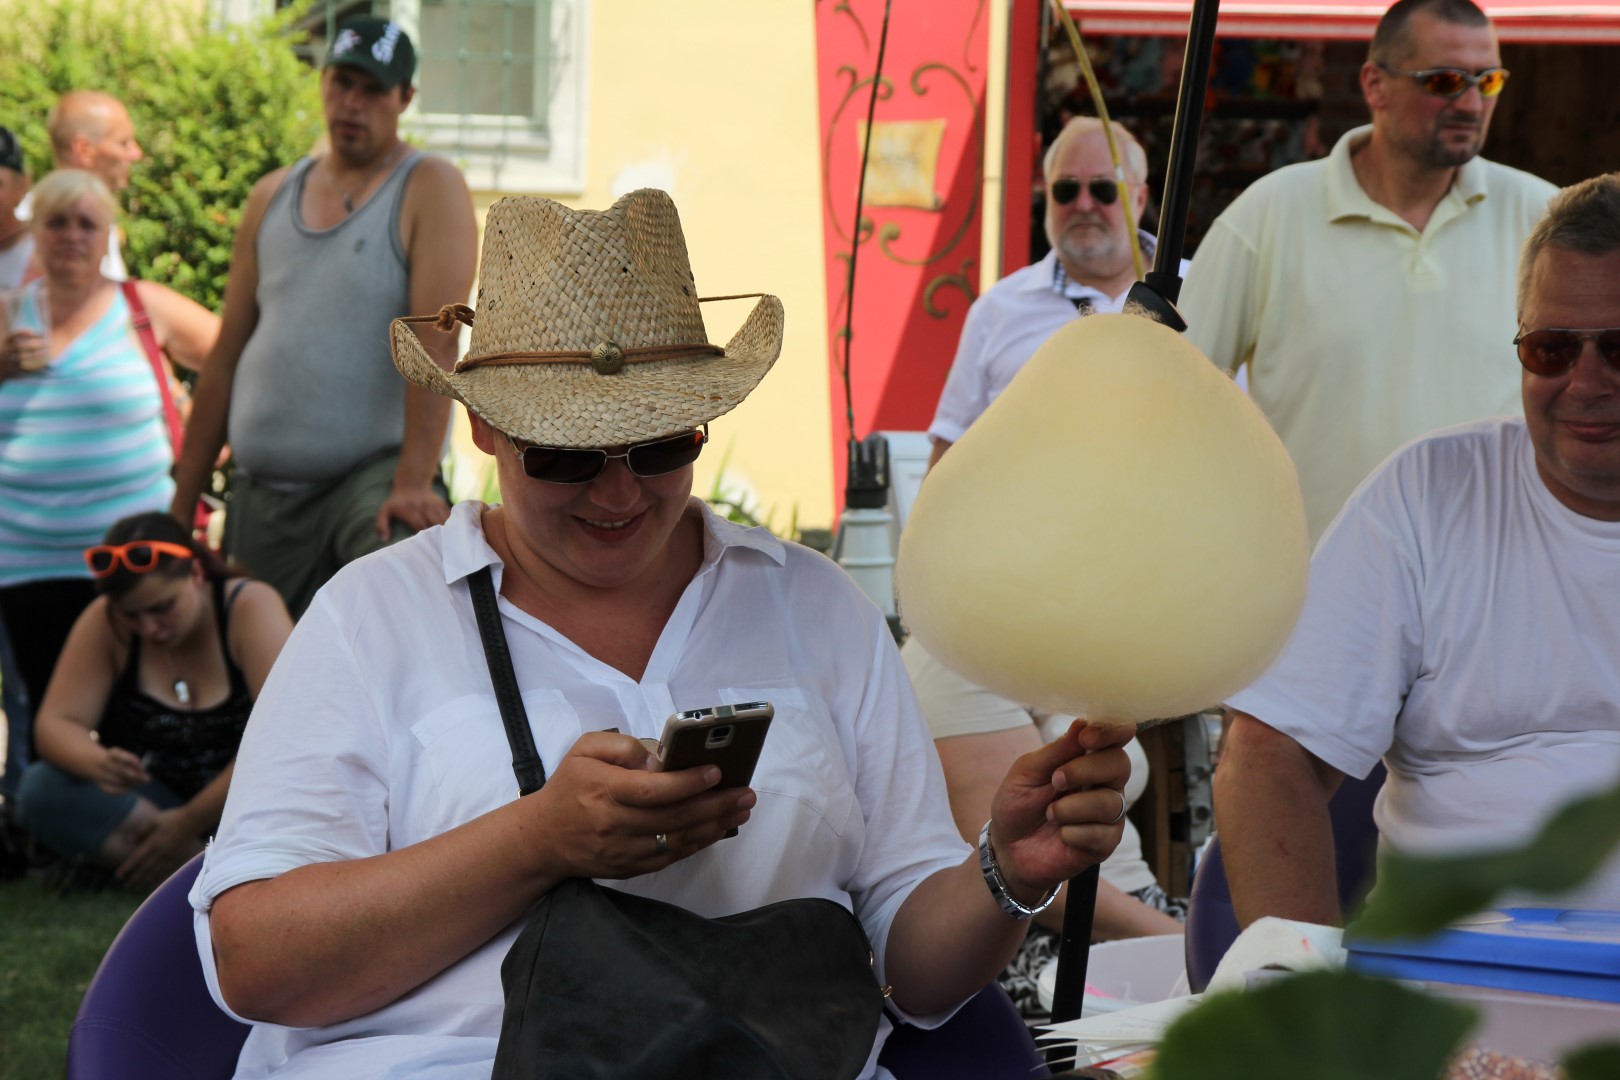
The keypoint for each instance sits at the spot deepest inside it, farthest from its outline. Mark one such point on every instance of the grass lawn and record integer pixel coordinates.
(50, 946)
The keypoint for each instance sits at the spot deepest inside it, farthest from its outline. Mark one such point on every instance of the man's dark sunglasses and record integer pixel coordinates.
(1554, 351)
(1454, 82)
(571, 465)
(1103, 192)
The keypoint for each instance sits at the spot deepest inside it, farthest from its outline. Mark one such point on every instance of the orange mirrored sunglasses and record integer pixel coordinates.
(1454, 82)
(138, 556)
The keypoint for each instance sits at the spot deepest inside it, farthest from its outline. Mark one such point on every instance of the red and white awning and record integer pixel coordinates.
(1569, 22)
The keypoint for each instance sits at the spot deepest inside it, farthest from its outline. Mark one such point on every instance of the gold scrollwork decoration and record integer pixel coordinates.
(958, 281)
(967, 39)
(843, 8)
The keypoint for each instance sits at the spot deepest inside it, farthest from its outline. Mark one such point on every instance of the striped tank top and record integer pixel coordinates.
(82, 444)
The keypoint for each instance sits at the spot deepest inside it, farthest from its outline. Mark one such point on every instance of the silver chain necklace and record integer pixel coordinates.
(348, 196)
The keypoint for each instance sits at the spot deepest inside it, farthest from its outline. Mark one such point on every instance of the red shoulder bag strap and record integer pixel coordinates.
(154, 355)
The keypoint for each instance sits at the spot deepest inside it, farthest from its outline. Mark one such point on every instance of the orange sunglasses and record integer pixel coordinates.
(138, 556)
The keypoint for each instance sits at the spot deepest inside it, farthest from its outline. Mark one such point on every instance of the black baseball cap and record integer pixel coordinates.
(378, 47)
(11, 156)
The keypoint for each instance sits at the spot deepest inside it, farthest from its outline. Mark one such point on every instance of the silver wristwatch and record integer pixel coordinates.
(998, 887)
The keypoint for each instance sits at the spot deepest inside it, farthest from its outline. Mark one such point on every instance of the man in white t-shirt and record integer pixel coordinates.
(1461, 621)
(1364, 292)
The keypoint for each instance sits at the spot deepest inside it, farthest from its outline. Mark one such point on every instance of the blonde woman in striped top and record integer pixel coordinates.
(82, 435)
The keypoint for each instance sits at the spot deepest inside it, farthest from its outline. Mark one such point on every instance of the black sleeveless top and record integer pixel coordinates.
(184, 748)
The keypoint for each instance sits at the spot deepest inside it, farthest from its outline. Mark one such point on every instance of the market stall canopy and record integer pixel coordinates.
(1570, 22)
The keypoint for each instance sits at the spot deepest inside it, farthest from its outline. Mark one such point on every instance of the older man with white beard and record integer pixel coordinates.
(1089, 269)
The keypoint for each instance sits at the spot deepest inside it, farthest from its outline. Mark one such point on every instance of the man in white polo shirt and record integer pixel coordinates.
(1371, 293)
(1088, 269)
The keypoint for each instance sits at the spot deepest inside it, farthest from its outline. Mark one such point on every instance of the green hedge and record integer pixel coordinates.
(214, 110)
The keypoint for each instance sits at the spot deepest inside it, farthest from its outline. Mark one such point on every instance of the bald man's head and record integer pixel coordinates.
(92, 131)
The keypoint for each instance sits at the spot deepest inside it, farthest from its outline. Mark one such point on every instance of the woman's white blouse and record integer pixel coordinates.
(378, 729)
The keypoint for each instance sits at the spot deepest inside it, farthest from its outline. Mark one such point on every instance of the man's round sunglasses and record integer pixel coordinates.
(1554, 351)
(571, 465)
(137, 556)
(1103, 192)
(1454, 82)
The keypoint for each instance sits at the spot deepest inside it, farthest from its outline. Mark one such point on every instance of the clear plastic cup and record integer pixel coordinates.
(28, 314)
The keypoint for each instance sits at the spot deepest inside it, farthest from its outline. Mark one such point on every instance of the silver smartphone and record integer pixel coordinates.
(730, 736)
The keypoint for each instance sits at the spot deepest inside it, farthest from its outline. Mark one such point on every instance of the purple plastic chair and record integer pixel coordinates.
(985, 1040)
(1211, 922)
(148, 1014)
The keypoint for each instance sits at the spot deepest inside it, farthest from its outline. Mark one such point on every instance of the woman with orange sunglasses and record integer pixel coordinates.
(138, 729)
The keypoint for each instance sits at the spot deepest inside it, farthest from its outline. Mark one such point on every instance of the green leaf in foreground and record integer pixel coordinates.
(1417, 896)
(1325, 1025)
(1599, 1062)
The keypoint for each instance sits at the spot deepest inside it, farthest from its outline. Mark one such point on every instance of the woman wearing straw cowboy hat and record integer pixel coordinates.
(373, 863)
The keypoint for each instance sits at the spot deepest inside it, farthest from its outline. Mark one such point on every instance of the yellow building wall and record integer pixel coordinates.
(716, 104)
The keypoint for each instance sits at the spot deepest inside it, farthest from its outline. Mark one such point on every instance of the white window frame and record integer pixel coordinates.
(548, 161)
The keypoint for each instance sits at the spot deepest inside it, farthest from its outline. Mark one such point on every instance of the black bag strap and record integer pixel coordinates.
(526, 763)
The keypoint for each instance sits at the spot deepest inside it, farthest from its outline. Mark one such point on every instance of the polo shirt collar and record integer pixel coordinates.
(464, 550)
(1347, 199)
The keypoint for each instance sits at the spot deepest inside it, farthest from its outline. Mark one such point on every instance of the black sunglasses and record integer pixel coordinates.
(1103, 192)
(1454, 82)
(1553, 351)
(571, 465)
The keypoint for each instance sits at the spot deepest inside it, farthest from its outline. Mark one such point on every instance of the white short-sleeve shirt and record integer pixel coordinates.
(378, 729)
(1464, 625)
(1005, 326)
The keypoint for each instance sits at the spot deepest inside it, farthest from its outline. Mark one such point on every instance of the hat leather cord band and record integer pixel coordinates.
(607, 358)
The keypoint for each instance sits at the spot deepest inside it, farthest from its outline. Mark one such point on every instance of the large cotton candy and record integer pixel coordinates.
(1120, 535)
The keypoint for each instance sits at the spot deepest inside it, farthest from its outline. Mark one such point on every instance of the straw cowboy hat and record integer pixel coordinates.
(587, 331)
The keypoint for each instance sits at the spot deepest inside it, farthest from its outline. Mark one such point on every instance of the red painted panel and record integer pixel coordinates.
(916, 269)
(1020, 171)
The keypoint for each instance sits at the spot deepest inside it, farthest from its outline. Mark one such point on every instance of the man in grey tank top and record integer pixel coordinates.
(336, 454)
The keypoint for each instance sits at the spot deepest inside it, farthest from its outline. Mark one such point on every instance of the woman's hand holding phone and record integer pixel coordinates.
(730, 736)
(604, 810)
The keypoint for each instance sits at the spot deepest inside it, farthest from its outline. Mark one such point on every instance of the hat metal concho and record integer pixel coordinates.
(607, 358)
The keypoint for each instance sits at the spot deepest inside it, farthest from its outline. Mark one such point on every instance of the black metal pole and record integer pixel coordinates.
(1074, 946)
(1163, 285)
